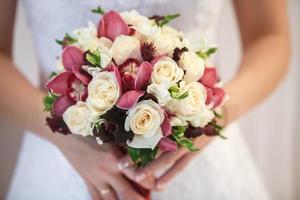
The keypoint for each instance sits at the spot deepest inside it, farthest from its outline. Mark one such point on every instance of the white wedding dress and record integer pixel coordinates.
(223, 171)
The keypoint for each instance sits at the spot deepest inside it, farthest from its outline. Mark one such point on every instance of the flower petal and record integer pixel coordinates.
(157, 59)
(143, 76)
(59, 84)
(129, 99)
(71, 56)
(128, 82)
(218, 96)
(166, 144)
(114, 26)
(209, 95)
(143, 142)
(112, 68)
(82, 75)
(61, 104)
(210, 77)
(166, 126)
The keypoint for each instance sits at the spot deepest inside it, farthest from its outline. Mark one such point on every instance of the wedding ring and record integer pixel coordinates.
(105, 191)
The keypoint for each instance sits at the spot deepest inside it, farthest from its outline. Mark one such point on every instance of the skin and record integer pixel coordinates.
(264, 32)
(265, 39)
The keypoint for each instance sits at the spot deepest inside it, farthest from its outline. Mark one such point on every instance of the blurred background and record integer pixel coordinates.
(271, 130)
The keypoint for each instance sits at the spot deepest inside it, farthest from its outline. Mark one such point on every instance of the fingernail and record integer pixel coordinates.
(140, 177)
(161, 186)
(123, 164)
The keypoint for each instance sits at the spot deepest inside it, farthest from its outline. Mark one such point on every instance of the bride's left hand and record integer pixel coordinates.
(176, 161)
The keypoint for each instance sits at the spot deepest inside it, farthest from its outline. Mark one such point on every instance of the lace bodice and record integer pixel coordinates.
(51, 19)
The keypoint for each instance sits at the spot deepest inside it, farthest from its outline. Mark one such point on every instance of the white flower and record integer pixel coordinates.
(164, 43)
(166, 70)
(87, 37)
(161, 92)
(140, 23)
(193, 65)
(125, 47)
(192, 108)
(176, 121)
(103, 92)
(79, 119)
(145, 119)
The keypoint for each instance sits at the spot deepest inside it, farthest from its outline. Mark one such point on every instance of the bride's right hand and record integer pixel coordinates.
(98, 165)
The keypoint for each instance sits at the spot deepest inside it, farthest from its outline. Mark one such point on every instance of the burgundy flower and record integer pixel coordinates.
(112, 25)
(210, 77)
(215, 96)
(57, 124)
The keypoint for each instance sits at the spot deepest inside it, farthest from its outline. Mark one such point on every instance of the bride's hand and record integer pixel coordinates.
(176, 161)
(98, 165)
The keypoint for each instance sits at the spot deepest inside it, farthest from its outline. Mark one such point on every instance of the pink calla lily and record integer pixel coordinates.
(61, 104)
(59, 84)
(166, 126)
(210, 77)
(143, 76)
(72, 56)
(166, 144)
(129, 99)
(112, 25)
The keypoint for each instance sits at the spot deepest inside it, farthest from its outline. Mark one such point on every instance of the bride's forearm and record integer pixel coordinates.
(20, 102)
(263, 66)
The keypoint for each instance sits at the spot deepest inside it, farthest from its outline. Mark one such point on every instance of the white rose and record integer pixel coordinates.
(145, 119)
(125, 47)
(79, 119)
(161, 92)
(164, 43)
(166, 70)
(193, 66)
(192, 108)
(103, 92)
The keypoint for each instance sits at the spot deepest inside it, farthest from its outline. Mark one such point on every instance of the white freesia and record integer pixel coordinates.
(166, 70)
(103, 92)
(145, 119)
(161, 92)
(79, 119)
(192, 108)
(193, 65)
(125, 47)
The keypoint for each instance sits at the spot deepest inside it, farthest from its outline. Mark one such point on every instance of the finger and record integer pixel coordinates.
(93, 192)
(124, 189)
(108, 193)
(125, 162)
(159, 165)
(148, 182)
(173, 171)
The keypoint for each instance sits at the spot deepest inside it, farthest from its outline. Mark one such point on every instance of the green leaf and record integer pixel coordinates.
(94, 58)
(188, 144)
(206, 54)
(166, 19)
(142, 157)
(181, 140)
(52, 74)
(175, 93)
(98, 10)
(178, 131)
(48, 101)
(67, 40)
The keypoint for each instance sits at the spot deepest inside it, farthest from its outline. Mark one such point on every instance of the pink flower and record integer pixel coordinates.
(71, 85)
(210, 77)
(112, 25)
(215, 96)
(135, 76)
(166, 144)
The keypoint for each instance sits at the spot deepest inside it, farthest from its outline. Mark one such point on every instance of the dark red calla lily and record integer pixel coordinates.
(112, 25)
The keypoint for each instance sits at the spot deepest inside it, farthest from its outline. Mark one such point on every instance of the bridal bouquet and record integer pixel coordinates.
(136, 82)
